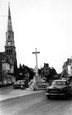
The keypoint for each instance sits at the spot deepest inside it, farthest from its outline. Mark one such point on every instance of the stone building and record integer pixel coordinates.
(45, 70)
(67, 67)
(8, 61)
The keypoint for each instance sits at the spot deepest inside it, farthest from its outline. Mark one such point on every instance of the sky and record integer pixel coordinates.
(42, 24)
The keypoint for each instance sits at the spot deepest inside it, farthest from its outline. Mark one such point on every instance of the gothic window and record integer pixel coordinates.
(7, 51)
(46, 73)
(11, 51)
(9, 37)
(10, 66)
(43, 73)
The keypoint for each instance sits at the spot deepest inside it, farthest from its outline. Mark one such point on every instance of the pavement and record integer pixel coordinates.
(18, 93)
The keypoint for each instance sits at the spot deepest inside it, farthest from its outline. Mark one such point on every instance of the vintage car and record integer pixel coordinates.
(24, 85)
(60, 87)
(17, 84)
(20, 84)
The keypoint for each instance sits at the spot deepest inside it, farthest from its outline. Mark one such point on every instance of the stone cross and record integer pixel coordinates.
(36, 60)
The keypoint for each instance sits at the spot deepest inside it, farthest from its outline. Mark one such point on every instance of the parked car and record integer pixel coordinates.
(59, 87)
(1, 84)
(20, 84)
(24, 84)
(17, 84)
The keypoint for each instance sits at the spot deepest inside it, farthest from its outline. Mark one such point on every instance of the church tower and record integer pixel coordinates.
(10, 49)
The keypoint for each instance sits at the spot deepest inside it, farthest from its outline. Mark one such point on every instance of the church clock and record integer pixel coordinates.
(9, 43)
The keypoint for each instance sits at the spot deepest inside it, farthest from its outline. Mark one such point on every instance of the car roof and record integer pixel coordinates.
(19, 80)
(60, 80)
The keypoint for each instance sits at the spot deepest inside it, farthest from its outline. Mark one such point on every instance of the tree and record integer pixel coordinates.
(51, 75)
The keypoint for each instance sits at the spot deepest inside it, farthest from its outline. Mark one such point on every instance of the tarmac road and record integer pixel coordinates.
(35, 104)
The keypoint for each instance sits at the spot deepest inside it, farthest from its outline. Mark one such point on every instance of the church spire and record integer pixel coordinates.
(9, 18)
(9, 33)
(10, 49)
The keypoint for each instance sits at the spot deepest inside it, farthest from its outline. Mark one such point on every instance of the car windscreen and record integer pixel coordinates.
(59, 83)
(18, 82)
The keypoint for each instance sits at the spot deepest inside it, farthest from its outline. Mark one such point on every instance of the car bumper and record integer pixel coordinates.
(16, 86)
(55, 94)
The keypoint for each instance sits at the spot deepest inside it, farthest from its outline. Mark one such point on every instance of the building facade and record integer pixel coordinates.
(45, 71)
(67, 67)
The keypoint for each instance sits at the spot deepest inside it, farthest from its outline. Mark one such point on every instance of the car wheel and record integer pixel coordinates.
(14, 87)
(34, 89)
(69, 94)
(65, 96)
(48, 96)
(23, 88)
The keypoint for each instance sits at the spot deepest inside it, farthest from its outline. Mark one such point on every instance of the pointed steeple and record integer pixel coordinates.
(9, 33)
(9, 14)
(9, 18)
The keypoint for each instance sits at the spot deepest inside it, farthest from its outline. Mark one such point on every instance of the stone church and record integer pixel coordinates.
(8, 61)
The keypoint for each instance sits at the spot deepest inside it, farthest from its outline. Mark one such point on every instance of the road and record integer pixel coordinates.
(35, 104)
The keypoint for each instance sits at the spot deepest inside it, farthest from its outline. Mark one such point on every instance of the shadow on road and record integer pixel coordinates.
(61, 98)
